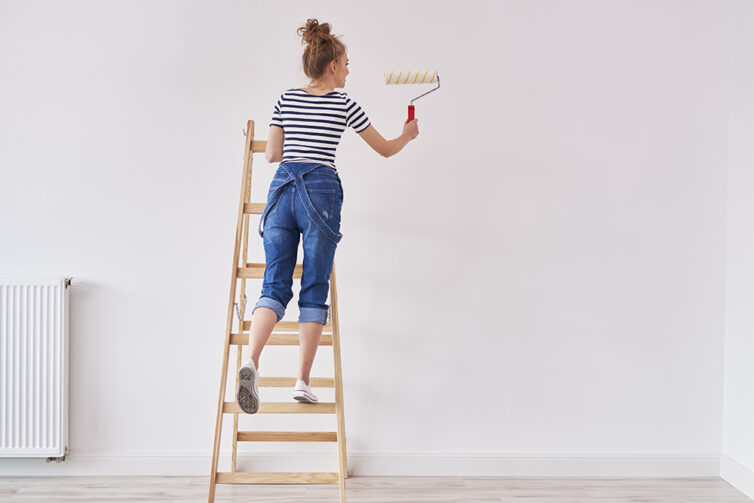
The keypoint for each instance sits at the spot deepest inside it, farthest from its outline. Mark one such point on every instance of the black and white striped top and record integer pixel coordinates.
(313, 124)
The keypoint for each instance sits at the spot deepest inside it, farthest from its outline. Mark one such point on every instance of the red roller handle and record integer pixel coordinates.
(410, 113)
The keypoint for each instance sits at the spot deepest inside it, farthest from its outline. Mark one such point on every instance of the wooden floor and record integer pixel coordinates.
(374, 490)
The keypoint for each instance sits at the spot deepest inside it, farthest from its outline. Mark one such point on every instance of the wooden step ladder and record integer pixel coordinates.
(284, 333)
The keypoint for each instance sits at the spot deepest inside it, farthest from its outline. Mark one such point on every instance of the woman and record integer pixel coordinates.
(306, 197)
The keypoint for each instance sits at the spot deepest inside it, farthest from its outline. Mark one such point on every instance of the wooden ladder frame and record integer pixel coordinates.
(284, 333)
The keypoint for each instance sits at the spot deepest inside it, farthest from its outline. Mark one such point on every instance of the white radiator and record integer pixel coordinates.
(34, 367)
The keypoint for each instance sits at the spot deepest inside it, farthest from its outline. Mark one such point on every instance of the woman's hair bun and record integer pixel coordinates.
(313, 32)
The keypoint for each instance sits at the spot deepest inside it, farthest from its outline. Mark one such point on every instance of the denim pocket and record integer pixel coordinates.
(324, 199)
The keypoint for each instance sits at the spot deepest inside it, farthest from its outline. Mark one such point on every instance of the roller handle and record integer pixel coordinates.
(410, 113)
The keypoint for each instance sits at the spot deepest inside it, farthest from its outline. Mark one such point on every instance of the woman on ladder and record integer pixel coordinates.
(306, 197)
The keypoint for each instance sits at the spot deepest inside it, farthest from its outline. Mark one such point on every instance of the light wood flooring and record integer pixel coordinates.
(375, 489)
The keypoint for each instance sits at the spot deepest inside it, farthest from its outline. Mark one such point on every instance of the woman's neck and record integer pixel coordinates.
(318, 90)
(322, 87)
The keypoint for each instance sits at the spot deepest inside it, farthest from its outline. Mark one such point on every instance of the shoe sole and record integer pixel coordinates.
(246, 396)
(303, 396)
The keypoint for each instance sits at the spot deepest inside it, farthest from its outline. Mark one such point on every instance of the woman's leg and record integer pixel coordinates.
(319, 250)
(310, 332)
(262, 322)
(281, 239)
(315, 284)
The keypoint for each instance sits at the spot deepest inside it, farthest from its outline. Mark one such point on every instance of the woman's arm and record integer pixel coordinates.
(274, 150)
(387, 148)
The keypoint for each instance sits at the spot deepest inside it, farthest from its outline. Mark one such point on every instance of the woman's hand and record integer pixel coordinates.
(411, 129)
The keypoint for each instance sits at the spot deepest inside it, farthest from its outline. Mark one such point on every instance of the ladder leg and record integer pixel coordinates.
(218, 428)
(245, 192)
(234, 454)
(242, 303)
(339, 406)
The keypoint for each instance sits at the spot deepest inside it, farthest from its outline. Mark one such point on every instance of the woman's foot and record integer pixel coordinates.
(247, 395)
(303, 393)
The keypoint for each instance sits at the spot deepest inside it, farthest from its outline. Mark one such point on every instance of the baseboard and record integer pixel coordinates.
(737, 475)
(387, 464)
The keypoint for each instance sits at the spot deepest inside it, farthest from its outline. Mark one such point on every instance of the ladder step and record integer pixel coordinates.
(287, 326)
(258, 146)
(287, 436)
(277, 478)
(284, 408)
(254, 208)
(279, 339)
(289, 382)
(256, 271)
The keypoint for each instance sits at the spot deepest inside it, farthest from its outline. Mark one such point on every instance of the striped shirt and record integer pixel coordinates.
(313, 124)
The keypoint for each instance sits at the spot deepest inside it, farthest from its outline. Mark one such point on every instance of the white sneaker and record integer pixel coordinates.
(303, 393)
(247, 395)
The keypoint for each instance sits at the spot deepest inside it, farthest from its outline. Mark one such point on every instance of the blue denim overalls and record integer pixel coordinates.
(304, 198)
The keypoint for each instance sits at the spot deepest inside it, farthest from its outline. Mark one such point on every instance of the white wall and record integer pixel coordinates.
(737, 464)
(534, 286)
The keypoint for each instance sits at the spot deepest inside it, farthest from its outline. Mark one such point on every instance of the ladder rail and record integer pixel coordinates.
(242, 299)
(340, 415)
(229, 324)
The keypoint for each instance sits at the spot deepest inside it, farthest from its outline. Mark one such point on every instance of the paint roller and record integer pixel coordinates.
(413, 77)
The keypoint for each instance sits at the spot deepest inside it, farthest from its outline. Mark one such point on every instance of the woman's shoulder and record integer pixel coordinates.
(297, 91)
(344, 95)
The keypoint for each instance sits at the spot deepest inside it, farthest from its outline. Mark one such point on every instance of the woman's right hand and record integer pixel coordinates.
(411, 129)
